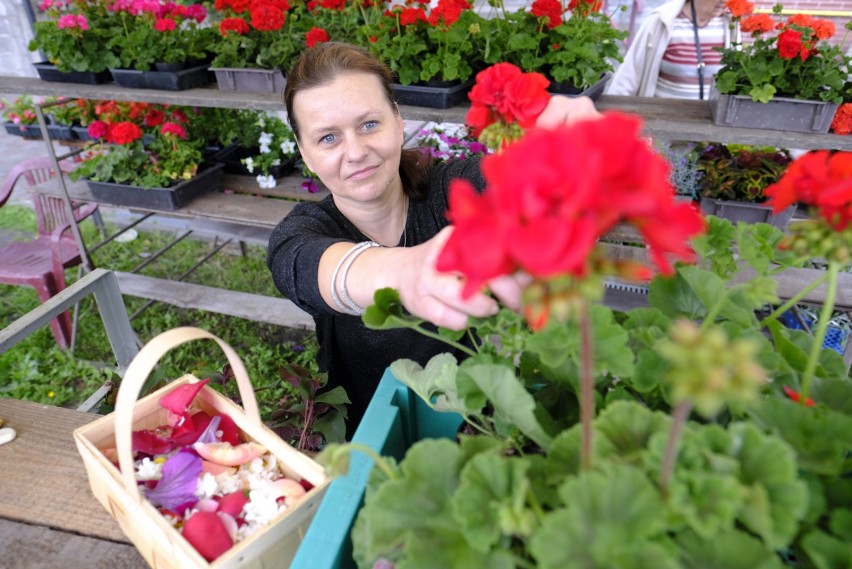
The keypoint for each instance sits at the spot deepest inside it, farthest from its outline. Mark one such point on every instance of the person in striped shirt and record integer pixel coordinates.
(672, 54)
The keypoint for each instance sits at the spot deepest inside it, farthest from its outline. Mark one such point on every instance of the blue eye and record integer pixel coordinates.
(327, 139)
(370, 125)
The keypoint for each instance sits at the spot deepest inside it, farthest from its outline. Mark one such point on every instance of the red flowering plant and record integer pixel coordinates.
(149, 32)
(421, 44)
(199, 471)
(255, 35)
(571, 43)
(141, 145)
(785, 58)
(676, 434)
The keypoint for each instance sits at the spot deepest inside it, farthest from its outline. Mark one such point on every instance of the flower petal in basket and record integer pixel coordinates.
(116, 489)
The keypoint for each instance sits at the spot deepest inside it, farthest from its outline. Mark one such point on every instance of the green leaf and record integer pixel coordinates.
(714, 246)
(628, 427)
(387, 312)
(449, 549)
(826, 552)
(776, 499)
(711, 502)
(650, 370)
(512, 403)
(435, 384)
(419, 501)
(608, 514)
(674, 297)
(492, 500)
(729, 549)
(336, 396)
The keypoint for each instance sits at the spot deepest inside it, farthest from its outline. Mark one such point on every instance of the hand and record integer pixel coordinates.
(436, 296)
(562, 110)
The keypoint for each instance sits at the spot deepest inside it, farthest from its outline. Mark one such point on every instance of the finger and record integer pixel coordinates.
(509, 289)
(449, 291)
(566, 111)
(441, 314)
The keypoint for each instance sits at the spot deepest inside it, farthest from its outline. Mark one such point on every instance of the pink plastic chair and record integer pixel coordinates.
(41, 262)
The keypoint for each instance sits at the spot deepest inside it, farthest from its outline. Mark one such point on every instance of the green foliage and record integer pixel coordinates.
(79, 47)
(581, 49)
(139, 45)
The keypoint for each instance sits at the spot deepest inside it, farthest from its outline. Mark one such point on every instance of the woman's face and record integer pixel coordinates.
(351, 137)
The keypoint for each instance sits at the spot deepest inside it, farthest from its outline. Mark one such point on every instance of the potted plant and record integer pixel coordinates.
(434, 54)
(678, 435)
(161, 45)
(20, 117)
(733, 180)
(156, 167)
(789, 64)
(574, 47)
(74, 36)
(255, 45)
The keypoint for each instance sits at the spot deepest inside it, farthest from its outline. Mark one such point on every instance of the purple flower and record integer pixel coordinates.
(176, 489)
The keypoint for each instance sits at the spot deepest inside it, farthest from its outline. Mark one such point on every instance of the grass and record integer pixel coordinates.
(36, 370)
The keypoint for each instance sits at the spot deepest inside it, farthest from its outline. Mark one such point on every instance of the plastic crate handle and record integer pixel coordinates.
(137, 373)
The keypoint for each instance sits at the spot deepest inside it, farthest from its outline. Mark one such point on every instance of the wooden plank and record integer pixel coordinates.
(288, 187)
(26, 547)
(259, 308)
(667, 119)
(44, 481)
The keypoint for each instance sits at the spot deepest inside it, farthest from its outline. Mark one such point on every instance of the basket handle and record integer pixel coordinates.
(136, 375)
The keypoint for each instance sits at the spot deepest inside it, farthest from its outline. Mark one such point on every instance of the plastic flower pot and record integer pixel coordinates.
(793, 115)
(593, 92)
(168, 199)
(437, 97)
(747, 212)
(188, 78)
(259, 80)
(48, 72)
(395, 419)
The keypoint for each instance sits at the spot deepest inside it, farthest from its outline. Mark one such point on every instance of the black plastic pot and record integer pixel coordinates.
(48, 72)
(166, 80)
(164, 199)
(435, 97)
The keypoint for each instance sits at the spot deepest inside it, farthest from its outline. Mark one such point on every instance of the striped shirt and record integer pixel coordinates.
(678, 72)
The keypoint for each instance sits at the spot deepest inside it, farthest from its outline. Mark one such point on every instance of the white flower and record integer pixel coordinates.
(207, 486)
(276, 162)
(264, 149)
(249, 162)
(147, 469)
(265, 181)
(288, 147)
(265, 139)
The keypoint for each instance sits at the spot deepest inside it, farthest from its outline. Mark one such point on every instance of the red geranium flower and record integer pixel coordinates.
(550, 9)
(173, 129)
(316, 35)
(739, 8)
(504, 93)
(123, 133)
(267, 16)
(550, 196)
(333, 4)
(236, 25)
(154, 117)
(842, 122)
(165, 25)
(412, 15)
(758, 23)
(819, 179)
(789, 44)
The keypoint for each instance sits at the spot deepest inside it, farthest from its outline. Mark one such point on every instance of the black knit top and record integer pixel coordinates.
(354, 356)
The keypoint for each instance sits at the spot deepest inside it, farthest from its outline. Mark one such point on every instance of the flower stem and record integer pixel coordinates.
(587, 387)
(795, 300)
(437, 336)
(714, 311)
(821, 328)
(679, 416)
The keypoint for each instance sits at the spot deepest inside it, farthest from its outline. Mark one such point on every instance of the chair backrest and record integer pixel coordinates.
(49, 210)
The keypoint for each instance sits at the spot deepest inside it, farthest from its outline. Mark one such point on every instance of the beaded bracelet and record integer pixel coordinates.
(348, 258)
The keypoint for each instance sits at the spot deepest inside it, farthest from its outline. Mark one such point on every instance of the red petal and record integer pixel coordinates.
(205, 532)
(179, 399)
(232, 504)
(150, 443)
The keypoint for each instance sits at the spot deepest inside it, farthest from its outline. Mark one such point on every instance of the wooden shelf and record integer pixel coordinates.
(665, 119)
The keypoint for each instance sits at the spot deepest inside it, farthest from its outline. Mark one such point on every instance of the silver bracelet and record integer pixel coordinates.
(351, 253)
(344, 292)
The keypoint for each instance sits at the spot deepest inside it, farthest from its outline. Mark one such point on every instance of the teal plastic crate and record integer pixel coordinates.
(395, 419)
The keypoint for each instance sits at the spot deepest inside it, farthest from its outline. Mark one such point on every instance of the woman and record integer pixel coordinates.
(383, 224)
(673, 54)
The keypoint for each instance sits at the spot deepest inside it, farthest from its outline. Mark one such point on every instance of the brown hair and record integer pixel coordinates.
(322, 64)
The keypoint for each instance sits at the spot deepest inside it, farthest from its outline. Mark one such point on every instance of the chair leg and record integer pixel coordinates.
(61, 325)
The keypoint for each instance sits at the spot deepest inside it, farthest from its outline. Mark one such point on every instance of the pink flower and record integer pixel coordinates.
(82, 22)
(98, 129)
(67, 21)
(173, 129)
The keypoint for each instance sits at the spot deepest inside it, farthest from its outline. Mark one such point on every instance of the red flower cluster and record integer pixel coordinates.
(820, 179)
(842, 121)
(550, 9)
(448, 11)
(173, 129)
(123, 133)
(236, 25)
(585, 7)
(758, 23)
(503, 93)
(551, 195)
(268, 15)
(411, 15)
(739, 8)
(316, 35)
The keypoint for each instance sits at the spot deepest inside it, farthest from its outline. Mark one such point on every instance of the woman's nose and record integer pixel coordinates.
(355, 148)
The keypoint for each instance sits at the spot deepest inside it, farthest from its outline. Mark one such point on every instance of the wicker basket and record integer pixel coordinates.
(160, 544)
